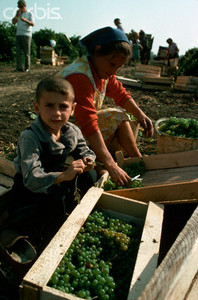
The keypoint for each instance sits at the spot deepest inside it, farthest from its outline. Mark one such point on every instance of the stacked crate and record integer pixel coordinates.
(186, 83)
(146, 70)
(48, 56)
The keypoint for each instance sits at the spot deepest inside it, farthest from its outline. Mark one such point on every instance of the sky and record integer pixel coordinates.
(176, 19)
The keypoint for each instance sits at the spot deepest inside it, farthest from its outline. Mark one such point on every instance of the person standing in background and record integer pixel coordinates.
(172, 50)
(118, 24)
(137, 47)
(25, 21)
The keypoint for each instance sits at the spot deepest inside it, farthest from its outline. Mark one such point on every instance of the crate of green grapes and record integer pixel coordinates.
(107, 249)
(176, 134)
(165, 178)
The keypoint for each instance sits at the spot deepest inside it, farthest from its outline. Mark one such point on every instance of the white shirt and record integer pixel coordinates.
(22, 27)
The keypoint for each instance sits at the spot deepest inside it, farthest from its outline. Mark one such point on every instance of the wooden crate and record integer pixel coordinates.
(34, 284)
(48, 56)
(168, 178)
(142, 70)
(186, 83)
(158, 83)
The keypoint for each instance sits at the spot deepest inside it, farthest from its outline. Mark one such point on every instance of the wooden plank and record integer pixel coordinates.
(148, 251)
(193, 291)
(3, 190)
(167, 176)
(182, 281)
(173, 277)
(6, 181)
(161, 193)
(194, 80)
(49, 293)
(129, 81)
(183, 79)
(162, 161)
(154, 69)
(7, 167)
(122, 205)
(156, 87)
(101, 180)
(160, 80)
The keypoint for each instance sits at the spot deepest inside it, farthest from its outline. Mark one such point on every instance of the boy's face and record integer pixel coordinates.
(54, 110)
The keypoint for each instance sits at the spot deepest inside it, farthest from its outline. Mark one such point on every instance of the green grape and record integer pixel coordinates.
(66, 278)
(81, 293)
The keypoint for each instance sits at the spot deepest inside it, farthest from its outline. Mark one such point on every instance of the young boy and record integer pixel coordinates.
(42, 182)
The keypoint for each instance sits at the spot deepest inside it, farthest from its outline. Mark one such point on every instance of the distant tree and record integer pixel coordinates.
(42, 38)
(188, 63)
(7, 40)
(68, 46)
(64, 45)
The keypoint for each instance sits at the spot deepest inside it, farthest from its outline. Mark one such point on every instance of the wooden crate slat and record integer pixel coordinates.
(182, 79)
(173, 278)
(162, 193)
(7, 167)
(148, 67)
(148, 252)
(169, 176)
(162, 161)
(129, 81)
(193, 291)
(138, 209)
(3, 190)
(156, 87)
(160, 80)
(6, 181)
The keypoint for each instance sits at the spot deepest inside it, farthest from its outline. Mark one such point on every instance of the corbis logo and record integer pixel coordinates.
(40, 13)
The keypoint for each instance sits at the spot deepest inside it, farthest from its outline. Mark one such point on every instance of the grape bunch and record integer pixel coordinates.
(180, 127)
(100, 261)
(132, 170)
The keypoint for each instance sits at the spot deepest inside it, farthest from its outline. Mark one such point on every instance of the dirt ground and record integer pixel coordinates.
(16, 97)
(18, 92)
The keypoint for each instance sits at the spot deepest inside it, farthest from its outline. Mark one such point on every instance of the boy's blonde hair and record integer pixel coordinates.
(54, 84)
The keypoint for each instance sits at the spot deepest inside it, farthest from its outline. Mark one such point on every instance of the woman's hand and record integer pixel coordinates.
(147, 124)
(119, 176)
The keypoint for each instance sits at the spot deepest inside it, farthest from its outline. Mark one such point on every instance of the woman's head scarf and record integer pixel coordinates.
(101, 37)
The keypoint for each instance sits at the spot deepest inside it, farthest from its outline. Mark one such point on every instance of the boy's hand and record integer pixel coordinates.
(89, 163)
(76, 167)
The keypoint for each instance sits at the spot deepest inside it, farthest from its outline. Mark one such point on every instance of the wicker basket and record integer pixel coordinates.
(167, 143)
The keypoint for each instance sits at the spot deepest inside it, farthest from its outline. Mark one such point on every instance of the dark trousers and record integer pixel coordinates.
(23, 45)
